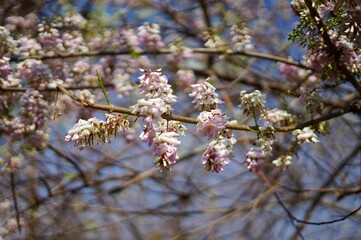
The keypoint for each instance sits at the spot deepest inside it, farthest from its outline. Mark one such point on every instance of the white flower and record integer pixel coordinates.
(168, 137)
(86, 131)
(252, 102)
(283, 161)
(305, 135)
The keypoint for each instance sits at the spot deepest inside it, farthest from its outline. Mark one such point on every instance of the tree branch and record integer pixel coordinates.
(111, 108)
(160, 51)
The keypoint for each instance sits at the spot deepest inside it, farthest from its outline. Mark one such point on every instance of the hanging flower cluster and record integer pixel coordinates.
(158, 96)
(149, 36)
(31, 123)
(212, 123)
(166, 143)
(262, 149)
(37, 73)
(256, 157)
(219, 152)
(205, 96)
(180, 52)
(5, 70)
(86, 132)
(7, 43)
(252, 103)
(213, 40)
(241, 38)
(185, 78)
(309, 86)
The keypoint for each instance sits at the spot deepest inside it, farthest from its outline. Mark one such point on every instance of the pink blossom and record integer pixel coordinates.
(205, 96)
(219, 152)
(185, 78)
(213, 160)
(149, 36)
(211, 123)
(259, 153)
(158, 96)
(28, 47)
(148, 134)
(255, 158)
(166, 143)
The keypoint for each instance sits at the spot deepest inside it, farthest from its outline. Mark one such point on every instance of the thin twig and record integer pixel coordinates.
(100, 81)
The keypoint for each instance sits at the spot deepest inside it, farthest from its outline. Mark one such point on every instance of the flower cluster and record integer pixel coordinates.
(34, 109)
(7, 79)
(213, 40)
(73, 20)
(241, 38)
(180, 52)
(122, 84)
(252, 102)
(350, 53)
(86, 132)
(20, 23)
(157, 100)
(28, 47)
(149, 36)
(293, 73)
(185, 78)
(262, 149)
(305, 135)
(166, 142)
(7, 43)
(49, 38)
(126, 38)
(5, 69)
(256, 157)
(130, 39)
(205, 96)
(74, 42)
(219, 152)
(283, 161)
(31, 123)
(278, 117)
(37, 73)
(158, 96)
(212, 123)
